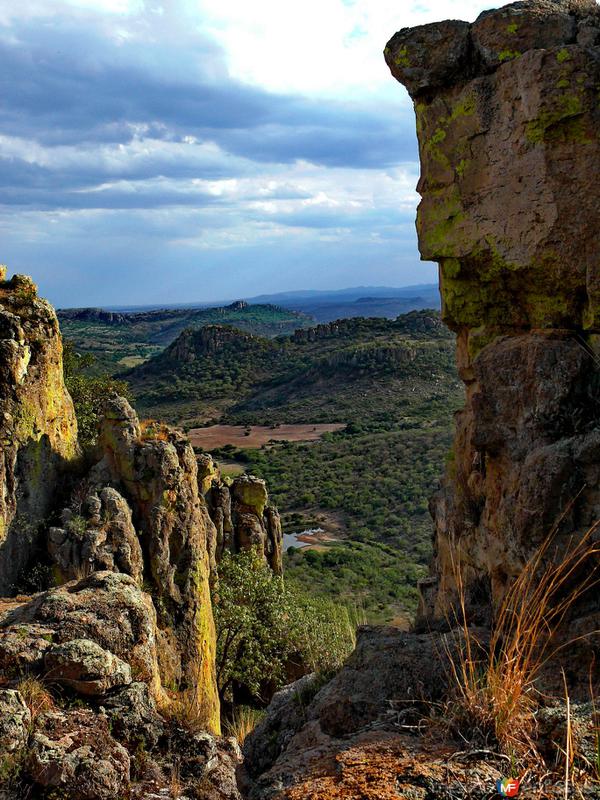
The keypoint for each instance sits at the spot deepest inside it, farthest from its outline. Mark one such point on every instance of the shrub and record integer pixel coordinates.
(262, 623)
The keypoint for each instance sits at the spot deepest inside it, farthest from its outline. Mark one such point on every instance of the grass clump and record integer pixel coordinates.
(496, 696)
(243, 721)
(36, 696)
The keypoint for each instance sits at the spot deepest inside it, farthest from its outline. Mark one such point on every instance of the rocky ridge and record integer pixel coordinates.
(39, 429)
(241, 514)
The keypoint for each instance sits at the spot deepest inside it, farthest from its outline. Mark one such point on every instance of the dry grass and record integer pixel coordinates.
(151, 430)
(496, 697)
(186, 711)
(176, 786)
(596, 724)
(186, 707)
(244, 720)
(36, 696)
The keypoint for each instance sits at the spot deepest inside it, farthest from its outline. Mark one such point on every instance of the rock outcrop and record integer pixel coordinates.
(156, 473)
(507, 120)
(38, 430)
(242, 516)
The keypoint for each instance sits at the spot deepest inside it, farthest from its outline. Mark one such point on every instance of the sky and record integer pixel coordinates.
(165, 151)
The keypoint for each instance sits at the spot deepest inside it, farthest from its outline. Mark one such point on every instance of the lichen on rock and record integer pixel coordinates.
(38, 435)
(507, 119)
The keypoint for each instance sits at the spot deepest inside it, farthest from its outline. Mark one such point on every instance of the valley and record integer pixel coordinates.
(350, 424)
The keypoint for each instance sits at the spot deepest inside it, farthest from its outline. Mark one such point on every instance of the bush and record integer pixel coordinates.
(88, 392)
(262, 623)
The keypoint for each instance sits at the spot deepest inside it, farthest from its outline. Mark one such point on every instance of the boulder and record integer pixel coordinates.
(15, 719)
(102, 537)
(133, 717)
(73, 755)
(85, 667)
(107, 608)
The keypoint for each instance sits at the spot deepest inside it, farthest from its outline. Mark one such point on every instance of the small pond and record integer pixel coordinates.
(294, 540)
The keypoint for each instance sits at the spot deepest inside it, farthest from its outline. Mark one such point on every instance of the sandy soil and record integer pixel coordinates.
(220, 435)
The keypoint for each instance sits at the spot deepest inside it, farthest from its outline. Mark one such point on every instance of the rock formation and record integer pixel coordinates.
(38, 428)
(507, 120)
(240, 511)
(127, 630)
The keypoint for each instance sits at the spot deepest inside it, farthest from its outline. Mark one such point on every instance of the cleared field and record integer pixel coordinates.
(257, 435)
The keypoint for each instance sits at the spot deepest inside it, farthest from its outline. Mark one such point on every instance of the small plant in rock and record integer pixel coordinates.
(77, 525)
(154, 431)
(36, 696)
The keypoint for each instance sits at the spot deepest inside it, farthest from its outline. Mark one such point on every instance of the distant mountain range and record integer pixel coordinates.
(119, 339)
(362, 301)
(328, 305)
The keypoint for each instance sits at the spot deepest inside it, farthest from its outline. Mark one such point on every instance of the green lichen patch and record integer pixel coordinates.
(401, 58)
(563, 55)
(509, 55)
(563, 122)
(512, 28)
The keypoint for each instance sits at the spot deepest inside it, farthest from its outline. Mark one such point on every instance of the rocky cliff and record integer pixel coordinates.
(507, 120)
(107, 680)
(38, 426)
(241, 514)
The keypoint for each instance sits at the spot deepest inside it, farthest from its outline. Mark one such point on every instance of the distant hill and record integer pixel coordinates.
(324, 305)
(309, 376)
(392, 387)
(125, 339)
(361, 301)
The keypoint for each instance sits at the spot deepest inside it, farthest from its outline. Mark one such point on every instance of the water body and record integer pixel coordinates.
(293, 540)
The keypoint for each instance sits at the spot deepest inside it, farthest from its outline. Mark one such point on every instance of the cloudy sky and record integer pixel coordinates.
(193, 150)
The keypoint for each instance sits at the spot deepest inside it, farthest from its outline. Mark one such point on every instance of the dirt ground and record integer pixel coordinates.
(257, 435)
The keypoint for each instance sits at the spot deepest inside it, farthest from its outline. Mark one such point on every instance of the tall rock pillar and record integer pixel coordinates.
(38, 429)
(508, 123)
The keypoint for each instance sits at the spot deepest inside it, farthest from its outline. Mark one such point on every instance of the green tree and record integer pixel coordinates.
(88, 392)
(262, 624)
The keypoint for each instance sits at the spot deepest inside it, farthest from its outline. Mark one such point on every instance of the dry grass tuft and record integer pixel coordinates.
(176, 786)
(496, 697)
(152, 430)
(244, 720)
(36, 696)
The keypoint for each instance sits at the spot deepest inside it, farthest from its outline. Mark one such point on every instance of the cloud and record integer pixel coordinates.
(195, 131)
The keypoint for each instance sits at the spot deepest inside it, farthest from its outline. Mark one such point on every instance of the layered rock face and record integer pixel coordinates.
(127, 631)
(241, 514)
(38, 430)
(507, 119)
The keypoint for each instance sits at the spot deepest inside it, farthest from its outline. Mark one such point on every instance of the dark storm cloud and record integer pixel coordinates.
(77, 87)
